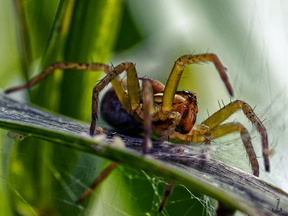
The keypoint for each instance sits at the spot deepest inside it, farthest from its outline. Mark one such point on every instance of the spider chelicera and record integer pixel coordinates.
(171, 113)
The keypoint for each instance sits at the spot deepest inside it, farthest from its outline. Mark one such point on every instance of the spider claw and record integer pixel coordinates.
(92, 128)
(266, 164)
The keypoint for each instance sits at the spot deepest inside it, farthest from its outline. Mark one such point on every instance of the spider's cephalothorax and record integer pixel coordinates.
(184, 103)
(171, 113)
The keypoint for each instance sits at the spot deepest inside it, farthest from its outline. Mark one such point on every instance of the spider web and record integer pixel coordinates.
(127, 192)
(133, 192)
(122, 193)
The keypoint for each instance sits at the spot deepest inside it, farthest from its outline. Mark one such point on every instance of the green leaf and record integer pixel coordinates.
(181, 164)
(65, 30)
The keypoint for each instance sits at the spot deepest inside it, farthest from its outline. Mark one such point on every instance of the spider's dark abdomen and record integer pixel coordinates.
(115, 115)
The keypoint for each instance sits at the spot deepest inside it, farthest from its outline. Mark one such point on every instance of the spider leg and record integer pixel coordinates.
(221, 130)
(224, 129)
(222, 114)
(104, 174)
(167, 193)
(133, 88)
(177, 71)
(62, 66)
(199, 133)
(175, 117)
(148, 110)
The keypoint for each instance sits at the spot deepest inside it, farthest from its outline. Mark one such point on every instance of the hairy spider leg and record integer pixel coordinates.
(129, 102)
(224, 129)
(78, 66)
(61, 66)
(133, 88)
(226, 111)
(176, 73)
(217, 130)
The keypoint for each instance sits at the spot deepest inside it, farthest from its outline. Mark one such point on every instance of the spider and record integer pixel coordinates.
(170, 113)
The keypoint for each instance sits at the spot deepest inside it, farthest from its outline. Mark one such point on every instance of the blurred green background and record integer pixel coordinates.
(39, 178)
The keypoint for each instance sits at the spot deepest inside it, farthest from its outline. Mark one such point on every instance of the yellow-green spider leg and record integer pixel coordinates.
(129, 103)
(221, 130)
(201, 133)
(133, 88)
(75, 66)
(61, 66)
(224, 129)
(175, 75)
(217, 118)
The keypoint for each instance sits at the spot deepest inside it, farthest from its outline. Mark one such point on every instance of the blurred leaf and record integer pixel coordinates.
(34, 23)
(65, 30)
(134, 36)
